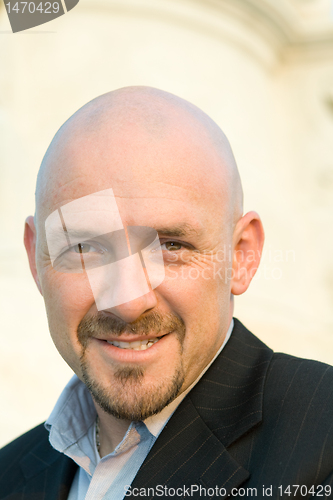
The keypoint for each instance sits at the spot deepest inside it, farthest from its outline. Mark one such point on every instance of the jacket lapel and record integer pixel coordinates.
(229, 397)
(187, 454)
(224, 405)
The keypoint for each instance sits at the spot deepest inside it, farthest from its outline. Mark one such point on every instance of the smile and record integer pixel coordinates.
(139, 345)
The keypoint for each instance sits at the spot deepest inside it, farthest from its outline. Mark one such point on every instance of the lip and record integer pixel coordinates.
(132, 338)
(118, 355)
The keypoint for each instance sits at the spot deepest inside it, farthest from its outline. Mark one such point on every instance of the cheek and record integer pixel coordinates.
(66, 293)
(201, 298)
(192, 289)
(68, 298)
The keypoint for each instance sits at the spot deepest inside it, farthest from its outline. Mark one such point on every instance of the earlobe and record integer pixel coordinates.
(30, 238)
(248, 243)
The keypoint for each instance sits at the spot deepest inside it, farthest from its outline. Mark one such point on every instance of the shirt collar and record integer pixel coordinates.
(74, 412)
(72, 415)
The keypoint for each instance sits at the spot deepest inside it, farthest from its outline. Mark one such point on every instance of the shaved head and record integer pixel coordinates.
(133, 122)
(139, 242)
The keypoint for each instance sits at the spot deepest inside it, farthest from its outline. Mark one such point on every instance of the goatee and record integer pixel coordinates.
(128, 399)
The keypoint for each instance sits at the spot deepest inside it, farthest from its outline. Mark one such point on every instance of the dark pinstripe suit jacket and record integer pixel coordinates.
(255, 418)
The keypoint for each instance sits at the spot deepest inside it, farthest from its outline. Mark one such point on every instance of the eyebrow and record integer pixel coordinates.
(179, 230)
(184, 229)
(77, 233)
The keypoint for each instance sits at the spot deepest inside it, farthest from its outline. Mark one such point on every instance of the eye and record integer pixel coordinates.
(172, 245)
(83, 248)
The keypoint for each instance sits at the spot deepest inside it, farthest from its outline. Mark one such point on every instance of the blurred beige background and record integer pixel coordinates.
(263, 69)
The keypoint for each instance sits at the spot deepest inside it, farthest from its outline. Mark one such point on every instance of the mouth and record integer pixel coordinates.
(133, 348)
(134, 342)
(138, 345)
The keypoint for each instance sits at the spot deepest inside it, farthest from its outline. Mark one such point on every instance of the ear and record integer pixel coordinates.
(30, 237)
(248, 243)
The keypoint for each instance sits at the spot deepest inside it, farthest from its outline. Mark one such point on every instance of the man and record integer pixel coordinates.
(138, 246)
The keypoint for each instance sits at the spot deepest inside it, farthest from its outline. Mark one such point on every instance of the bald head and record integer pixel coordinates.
(150, 229)
(136, 136)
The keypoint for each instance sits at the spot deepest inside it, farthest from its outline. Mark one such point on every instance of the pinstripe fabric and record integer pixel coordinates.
(255, 418)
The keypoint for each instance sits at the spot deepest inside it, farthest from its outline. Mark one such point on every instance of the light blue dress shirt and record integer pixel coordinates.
(72, 431)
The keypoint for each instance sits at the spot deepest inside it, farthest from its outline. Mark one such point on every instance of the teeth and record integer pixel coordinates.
(139, 345)
(133, 345)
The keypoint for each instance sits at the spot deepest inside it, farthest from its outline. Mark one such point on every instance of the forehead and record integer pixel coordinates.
(176, 179)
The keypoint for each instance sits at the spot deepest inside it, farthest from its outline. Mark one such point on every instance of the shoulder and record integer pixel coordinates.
(17, 457)
(286, 376)
(23, 444)
(294, 437)
(297, 417)
(294, 376)
(296, 394)
(302, 386)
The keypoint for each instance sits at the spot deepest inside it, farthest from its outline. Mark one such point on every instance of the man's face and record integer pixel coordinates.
(184, 318)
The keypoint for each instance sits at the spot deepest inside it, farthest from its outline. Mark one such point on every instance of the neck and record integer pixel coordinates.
(111, 431)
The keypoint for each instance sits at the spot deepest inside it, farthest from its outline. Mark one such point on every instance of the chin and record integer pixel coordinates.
(129, 395)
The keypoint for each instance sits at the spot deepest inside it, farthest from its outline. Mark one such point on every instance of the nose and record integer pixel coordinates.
(132, 310)
(122, 287)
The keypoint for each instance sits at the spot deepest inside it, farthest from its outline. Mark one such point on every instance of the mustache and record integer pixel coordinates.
(101, 323)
